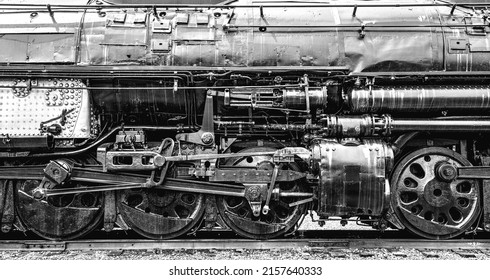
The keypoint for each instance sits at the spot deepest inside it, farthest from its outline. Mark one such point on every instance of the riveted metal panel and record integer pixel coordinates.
(24, 104)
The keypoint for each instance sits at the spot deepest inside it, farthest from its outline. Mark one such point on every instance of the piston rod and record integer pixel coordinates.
(374, 125)
(464, 125)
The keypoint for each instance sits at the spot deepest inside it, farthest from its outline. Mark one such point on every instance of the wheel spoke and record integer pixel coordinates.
(409, 205)
(242, 203)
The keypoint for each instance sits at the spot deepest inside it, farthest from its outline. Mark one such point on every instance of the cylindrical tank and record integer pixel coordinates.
(425, 99)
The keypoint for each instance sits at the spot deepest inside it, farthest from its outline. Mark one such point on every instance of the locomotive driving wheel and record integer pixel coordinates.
(61, 217)
(238, 215)
(427, 197)
(160, 214)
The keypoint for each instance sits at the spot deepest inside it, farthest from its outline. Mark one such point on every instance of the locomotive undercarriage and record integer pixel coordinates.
(268, 147)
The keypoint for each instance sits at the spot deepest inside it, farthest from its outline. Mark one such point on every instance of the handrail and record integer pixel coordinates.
(254, 6)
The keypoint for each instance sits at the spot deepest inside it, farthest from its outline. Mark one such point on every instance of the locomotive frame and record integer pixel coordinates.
(166, 119)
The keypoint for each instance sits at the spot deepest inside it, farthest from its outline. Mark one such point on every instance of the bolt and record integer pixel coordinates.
(207, 138)
(6, 228)
(265, 210)
(448, 172)
(38, 194)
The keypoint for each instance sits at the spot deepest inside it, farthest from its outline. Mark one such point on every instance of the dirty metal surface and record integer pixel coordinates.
(233, 244)
(87, 245)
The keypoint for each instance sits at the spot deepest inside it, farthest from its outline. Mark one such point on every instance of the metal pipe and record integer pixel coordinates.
(469, 125)
(373, 125)
(419, 99)
(255, 6)
(104, 138)
(34, 142)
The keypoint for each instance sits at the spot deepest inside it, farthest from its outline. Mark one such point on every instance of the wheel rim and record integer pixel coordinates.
(61, 217)
(236, 211)
(426, 203)
(160, 214)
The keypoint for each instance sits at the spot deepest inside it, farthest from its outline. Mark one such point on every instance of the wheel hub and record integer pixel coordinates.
(437, 193)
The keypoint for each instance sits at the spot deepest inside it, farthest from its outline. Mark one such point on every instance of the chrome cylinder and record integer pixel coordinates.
(296, 98)
(419, 99)
(285, 98)
(441, 125)
(372, 125)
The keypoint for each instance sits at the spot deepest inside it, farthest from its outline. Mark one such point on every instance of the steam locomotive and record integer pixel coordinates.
(169, 117)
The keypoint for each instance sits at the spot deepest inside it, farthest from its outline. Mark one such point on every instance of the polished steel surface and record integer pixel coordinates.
(352, 176)
(229, 36)
(449, 98)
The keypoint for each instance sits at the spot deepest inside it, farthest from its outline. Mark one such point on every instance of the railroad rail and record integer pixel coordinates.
(352, 240)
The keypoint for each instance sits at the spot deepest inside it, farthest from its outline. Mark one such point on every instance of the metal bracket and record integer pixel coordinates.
(168, 152)
(254, 194)
(210, 212)
(205, 136)
(362, 31)
(254, 176)
(275, 172)
(110, 210)
(287, 155)
(55, 173)
(354, 11)
(140, 160)
(7, 212)
(486, 205)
